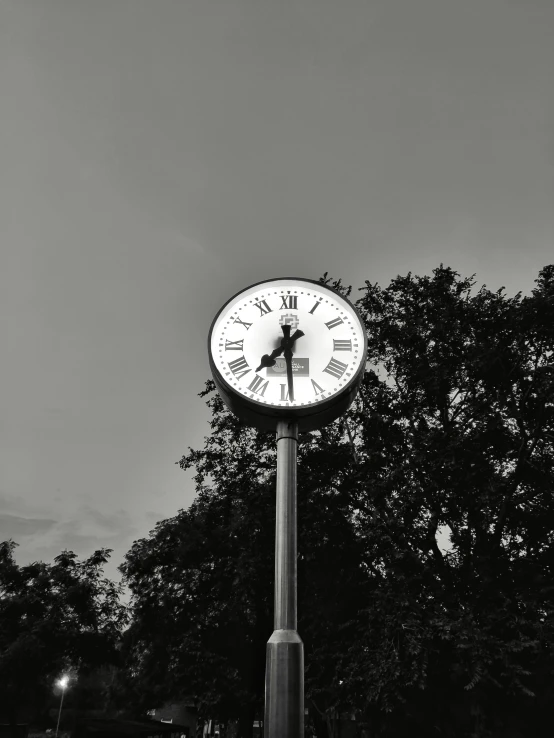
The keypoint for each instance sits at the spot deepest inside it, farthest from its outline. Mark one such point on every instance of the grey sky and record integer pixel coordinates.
(157, 156)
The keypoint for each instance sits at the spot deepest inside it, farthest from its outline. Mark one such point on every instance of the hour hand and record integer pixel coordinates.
(269, 360)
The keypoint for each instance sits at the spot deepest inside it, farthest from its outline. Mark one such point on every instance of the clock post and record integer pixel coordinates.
(285, 317)
(284, 685)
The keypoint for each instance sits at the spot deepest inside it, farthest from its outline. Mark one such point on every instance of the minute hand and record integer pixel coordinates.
(287, 343)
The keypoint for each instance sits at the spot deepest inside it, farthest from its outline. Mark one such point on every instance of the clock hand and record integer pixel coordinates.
(288, 360)
(269, 359)
(287, 343)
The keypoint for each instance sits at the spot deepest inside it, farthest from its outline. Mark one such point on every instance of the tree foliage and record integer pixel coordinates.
(453, 429)
(466, 434)
(201, 608)
(54, 618)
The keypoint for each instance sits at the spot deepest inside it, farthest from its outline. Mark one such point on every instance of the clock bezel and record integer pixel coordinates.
(309, 417)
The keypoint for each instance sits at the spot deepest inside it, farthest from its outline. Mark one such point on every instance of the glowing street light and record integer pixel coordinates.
(63, 684)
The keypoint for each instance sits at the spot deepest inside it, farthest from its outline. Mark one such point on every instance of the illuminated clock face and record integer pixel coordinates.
(326, 355)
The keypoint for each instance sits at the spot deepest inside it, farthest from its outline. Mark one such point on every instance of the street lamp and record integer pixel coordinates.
(63, 684)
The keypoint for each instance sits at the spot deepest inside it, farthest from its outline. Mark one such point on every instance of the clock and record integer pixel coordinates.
(288, 348)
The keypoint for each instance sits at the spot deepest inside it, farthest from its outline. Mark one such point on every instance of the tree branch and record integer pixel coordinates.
(351, 441)
(514, 483)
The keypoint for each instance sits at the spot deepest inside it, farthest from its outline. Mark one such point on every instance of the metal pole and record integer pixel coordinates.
(284, 677)
(60, 711)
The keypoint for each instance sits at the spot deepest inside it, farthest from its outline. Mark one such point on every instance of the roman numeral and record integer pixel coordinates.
(336, 368)
(334, 323)
(234, 345)
(239, 367)
(246, 325)
(289, 302)
(285, 392)
(254, 385)
(318, 390)
(263, 307)
(315, 306)
(342, 345)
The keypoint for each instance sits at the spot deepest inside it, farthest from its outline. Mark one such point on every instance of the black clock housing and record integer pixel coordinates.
(310, 417)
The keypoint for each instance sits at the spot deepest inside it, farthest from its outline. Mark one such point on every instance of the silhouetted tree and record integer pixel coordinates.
(459, 436)
(53, 617)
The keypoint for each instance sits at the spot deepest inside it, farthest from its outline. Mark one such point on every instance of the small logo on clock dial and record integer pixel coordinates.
(300, 368)
(289, 319)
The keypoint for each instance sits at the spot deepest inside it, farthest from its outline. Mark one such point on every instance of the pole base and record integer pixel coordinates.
(284, 686)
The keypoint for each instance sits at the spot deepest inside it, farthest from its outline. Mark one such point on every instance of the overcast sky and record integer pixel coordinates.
(157, 156)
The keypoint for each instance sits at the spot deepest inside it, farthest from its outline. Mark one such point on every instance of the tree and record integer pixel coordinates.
(201, 610)
(460, 434)
(463, 438)
(54, 617)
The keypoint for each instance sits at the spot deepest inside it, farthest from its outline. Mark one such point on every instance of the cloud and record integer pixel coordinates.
(154, 517)
(17, 506)
(90, 529)
(82, 530)
(16, 527)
